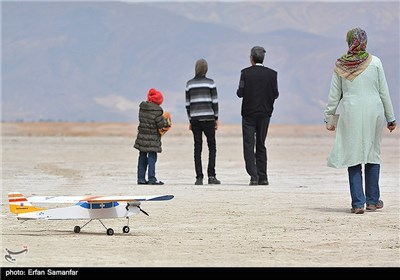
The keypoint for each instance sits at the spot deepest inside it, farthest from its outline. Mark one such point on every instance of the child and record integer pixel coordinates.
(148, 140)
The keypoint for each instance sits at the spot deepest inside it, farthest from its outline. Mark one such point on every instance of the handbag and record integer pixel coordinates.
(168, 123)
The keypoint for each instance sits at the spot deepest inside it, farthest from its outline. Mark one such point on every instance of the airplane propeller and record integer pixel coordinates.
(143, 211)
(136, 203)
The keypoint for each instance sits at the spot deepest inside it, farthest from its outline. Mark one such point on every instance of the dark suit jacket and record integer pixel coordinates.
(258, 87)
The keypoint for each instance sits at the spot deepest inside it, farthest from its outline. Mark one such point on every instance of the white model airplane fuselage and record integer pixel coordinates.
(84, 208)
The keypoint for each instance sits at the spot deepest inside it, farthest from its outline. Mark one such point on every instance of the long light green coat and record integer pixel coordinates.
(366, 107)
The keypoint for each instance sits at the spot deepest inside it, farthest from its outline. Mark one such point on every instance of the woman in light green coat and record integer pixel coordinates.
(359, 83)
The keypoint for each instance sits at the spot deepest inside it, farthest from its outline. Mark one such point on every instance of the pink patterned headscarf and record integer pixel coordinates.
(354, 62)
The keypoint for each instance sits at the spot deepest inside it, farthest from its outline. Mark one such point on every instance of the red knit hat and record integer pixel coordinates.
(155, 96)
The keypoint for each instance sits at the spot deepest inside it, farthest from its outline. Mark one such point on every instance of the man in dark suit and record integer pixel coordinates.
(258, 87)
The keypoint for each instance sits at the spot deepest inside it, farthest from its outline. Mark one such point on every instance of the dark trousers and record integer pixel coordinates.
(208, 128)
(254, 132)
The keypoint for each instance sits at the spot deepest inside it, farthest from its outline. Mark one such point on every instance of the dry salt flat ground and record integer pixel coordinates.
(302, 219)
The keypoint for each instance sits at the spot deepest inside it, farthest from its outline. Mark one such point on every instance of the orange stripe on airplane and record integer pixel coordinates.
(90, 197)
(15, 195)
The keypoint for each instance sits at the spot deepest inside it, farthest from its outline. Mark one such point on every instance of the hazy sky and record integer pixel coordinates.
(115, 100)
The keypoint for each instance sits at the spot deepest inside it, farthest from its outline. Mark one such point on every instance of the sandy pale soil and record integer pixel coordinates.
(302, 219)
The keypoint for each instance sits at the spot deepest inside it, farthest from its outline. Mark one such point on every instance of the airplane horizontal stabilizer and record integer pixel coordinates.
(19, 204)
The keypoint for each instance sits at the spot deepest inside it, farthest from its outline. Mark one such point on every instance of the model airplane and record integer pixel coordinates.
(85, 207)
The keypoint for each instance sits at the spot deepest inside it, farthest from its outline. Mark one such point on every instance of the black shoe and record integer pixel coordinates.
(213, 181)
(253, 183)
(156, 183)
(142, 182)
(263, 182)
(199, 181)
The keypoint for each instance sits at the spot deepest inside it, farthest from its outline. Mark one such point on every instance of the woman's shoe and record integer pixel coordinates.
(374, 207)
(357, 210)
(142, 182)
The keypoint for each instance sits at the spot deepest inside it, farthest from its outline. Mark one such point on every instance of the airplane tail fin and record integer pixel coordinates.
(19, 204)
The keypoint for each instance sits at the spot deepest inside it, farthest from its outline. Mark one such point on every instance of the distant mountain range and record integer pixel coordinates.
(95, 61)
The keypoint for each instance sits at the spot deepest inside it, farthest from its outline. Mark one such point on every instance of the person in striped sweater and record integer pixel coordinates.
(202, 111)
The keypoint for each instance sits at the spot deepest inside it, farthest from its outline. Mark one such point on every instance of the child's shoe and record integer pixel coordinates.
(156, 183)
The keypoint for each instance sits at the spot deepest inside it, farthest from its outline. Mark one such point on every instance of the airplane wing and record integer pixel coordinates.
(128, 198)
(55, 199)
(92, 198)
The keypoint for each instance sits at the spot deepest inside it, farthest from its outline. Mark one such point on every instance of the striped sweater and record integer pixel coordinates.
(201, 99)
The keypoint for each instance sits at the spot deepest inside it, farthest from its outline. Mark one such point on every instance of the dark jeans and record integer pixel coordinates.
(372, 193)
(147, 160)
(254, 132)
(208, 128)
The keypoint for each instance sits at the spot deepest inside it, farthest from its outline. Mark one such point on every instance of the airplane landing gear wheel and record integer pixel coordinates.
(77, 229)
(125, 229)
(110, 231)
